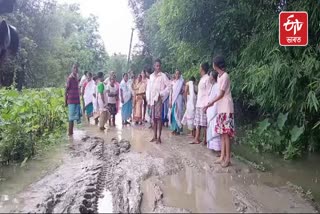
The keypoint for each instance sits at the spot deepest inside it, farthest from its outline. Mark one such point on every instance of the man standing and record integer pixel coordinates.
(72, 99)
(159, 87)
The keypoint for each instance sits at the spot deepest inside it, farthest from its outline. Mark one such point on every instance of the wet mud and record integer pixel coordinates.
(124, 173)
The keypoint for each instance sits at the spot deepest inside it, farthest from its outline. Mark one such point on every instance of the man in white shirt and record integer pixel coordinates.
(159, 90)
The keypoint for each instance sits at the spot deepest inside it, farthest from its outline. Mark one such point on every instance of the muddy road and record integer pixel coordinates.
(120, 171)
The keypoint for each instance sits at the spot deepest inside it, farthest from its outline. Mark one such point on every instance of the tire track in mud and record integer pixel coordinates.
(94, 166)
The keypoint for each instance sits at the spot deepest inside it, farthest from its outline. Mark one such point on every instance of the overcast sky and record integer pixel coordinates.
(115, 19)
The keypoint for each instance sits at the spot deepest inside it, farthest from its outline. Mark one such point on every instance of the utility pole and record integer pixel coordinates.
(129, 55)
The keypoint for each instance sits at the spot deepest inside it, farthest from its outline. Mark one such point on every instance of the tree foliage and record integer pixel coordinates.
(266, 77)
(53, 37)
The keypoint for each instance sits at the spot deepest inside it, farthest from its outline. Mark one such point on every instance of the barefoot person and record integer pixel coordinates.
(159, 87)
(213, 138)
(200, 120)
(126, 99)
(225, 120)
(72, 99)
(176, 104)
(191, 99)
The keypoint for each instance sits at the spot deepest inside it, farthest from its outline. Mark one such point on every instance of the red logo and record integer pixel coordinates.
(293, 28)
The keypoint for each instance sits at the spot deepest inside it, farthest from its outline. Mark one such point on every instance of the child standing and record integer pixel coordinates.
(225, 120)
(102, 102)
(112, 91)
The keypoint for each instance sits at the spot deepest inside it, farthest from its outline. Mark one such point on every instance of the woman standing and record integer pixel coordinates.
(88, 91)
(140, 92)
(145, 83)
(126, 99)
(95, 101)
(225, 119)
(176, 104)
(214, 142)
(191, 98)
(200, 120)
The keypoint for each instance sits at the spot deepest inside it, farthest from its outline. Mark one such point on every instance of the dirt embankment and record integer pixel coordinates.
(99, 176)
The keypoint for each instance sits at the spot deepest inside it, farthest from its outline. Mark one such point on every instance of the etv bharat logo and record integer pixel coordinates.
(293, 28)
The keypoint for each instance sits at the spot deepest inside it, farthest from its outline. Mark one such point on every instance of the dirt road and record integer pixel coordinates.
(120, 171)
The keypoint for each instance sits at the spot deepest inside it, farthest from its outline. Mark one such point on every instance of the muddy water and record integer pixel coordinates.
(172, 177)
(15, 178)
(304, 172)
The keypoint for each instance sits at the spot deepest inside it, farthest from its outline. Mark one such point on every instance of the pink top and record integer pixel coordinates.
(225, 104)
(203, 91)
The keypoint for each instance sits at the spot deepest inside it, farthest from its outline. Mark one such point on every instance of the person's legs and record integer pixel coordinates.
(103, 120)
(205, 135)
(222, 156)
(144, 109)
(70, 132)
(160, 131)
(155, 130)
(114, 120)
(193, 132)
(227, 150)
(197, 135)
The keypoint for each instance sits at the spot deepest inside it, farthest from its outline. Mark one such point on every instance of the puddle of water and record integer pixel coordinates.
(199, 193)
(207, 192)
(15, 178)
(304, 172)
(105, 203)
(137, 135)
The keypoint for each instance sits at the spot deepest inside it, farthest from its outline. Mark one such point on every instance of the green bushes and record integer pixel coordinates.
(277, 137)
(29, 120)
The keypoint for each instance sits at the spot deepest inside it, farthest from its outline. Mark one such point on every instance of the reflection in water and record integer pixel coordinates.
(198, 192)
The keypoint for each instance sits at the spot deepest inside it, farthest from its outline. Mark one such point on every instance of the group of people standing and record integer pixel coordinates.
(159, 100)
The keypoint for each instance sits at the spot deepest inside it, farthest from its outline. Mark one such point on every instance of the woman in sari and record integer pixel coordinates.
(145, 83)
(140, 92)
(126, 99)
(214, 142)
(176, 104)
(191, 98)
(88, 91)
(148, 99)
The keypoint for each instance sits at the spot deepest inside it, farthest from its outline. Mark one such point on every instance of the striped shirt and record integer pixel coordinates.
(73, 95)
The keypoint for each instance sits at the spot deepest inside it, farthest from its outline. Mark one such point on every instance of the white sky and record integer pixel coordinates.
(115, 19)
